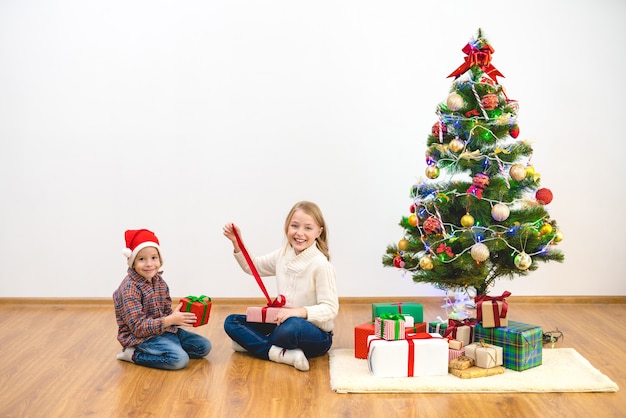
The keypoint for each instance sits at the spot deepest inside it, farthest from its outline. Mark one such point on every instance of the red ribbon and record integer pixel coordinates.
(494, 304)
(399, 306)
(444, 248)
(276, 303)
(453, 324)
(477, 57)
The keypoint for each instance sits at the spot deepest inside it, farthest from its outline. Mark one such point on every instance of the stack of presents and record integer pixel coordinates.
(398, 343)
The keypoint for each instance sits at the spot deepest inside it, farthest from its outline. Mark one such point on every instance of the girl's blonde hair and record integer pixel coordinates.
(314, 212)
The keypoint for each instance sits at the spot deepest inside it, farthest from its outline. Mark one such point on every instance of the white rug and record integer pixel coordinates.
(563, 370)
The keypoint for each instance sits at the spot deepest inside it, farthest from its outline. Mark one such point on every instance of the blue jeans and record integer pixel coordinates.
(170, 351)
(295, 332)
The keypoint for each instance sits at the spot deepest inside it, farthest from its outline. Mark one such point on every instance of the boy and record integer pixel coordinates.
(148, 328)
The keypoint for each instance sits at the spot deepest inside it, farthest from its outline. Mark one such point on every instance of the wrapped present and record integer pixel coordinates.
(521, 343)
(416, 310)
(491, 311)
(261, 314)
(475, 371)
(389, 327)
(416, 328)
(484, 355)
(361, 332)
(454, 354)
(439, 326)
(200, 305)
(421, 354)
(461, 330)
(461, 363)
(454, 344)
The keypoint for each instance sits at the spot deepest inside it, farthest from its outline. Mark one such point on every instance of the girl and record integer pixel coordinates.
(304, 275)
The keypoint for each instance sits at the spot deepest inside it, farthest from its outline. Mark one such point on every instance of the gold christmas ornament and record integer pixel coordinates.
(558, 236)
(517, 172)
(454, 102)
(467, 220)
(545, 229)
(479, 252)
(413, 220)
(500, 212)
(432, 171)
(456, 145)
(403, 244)
(426, 263)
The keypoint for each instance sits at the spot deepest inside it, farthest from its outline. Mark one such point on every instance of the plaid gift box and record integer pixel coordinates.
(416, 310)
(200, 305)
(521, 343)
(439, 326)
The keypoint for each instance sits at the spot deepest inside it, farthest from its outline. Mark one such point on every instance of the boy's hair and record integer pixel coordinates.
(314, 212)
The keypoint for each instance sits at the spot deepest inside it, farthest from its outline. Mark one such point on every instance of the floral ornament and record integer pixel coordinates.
(444, 250)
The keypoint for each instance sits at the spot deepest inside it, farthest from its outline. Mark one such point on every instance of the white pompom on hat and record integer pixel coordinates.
(138, 239)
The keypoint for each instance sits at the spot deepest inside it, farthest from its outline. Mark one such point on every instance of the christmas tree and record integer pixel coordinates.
(480, 214)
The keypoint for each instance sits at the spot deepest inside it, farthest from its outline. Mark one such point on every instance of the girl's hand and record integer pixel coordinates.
(286, 313)
(229, 232)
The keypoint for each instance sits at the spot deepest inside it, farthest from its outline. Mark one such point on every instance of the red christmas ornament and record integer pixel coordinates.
(398, 262)
(437, 126)
(514, 132)
(543, 196)
(412, 208)
(489, 101)
(432, 225)
(481, 180)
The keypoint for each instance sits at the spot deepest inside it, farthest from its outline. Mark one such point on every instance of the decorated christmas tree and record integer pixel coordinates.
(480, 214)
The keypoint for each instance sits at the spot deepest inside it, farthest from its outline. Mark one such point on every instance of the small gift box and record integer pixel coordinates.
(491, 311)
(390, 327)
(416, 310)
(439, 326)
(461, 330)
(475, 371)
(455, 344)
(419, 355)
(361, 332)
(461, 363)
(261, 314)
(415, 328)
(200, 305)
(484, 355)
(453, 354)
(522, 344)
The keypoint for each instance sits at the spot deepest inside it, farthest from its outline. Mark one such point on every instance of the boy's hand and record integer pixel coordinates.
(180, 318)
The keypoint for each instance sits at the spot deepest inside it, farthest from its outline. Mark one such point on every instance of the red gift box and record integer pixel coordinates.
(200, 305)
(361, 332)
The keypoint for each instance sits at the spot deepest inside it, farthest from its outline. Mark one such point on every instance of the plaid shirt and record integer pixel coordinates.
(140, 306)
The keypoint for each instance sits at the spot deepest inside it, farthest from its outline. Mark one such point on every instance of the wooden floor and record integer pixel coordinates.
(58, 360)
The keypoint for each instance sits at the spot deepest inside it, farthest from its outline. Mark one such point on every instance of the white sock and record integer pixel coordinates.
(236, 347)
(295, 357)
(126, 354)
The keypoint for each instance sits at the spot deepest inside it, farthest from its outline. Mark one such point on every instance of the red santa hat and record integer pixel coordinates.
(138, 239)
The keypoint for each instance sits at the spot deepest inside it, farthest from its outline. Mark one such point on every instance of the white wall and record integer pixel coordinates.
(179, 116)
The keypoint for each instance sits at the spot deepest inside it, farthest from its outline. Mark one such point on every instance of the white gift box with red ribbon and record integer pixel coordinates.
(423, 354)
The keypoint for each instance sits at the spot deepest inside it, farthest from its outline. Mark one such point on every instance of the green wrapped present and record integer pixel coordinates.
(416, 310)
(439, 326)
(522, 345)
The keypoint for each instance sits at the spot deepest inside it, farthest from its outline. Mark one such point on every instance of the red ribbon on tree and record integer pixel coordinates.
(477, 57)
(496, 315)
(276, 303)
